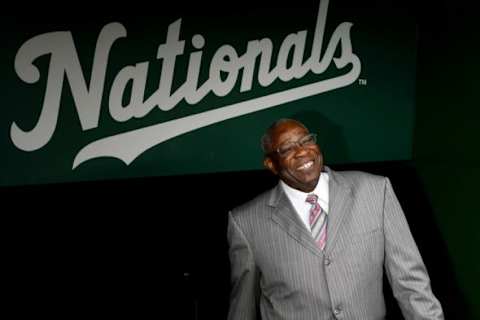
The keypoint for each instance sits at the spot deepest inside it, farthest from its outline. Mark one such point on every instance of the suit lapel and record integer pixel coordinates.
(340, 205)
(285, 216)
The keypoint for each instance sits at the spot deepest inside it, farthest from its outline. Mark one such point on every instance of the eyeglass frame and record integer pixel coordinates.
(296, 144)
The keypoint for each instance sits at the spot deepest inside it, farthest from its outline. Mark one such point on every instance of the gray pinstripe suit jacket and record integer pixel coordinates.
(276, 266)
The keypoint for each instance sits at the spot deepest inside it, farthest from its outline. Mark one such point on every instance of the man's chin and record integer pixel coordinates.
(303, 182)
(312, 182)
(308, 185)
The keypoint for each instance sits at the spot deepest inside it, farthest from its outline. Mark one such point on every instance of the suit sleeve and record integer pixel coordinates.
(404, 266)
(244, 275)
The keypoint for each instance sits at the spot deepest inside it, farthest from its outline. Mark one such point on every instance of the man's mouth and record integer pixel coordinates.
(306, 166)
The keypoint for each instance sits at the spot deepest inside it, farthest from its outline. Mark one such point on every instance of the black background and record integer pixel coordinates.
(157, 246)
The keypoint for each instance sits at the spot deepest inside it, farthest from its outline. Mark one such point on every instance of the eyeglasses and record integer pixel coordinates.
(285, 149)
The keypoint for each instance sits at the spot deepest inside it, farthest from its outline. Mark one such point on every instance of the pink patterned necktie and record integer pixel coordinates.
(318, 221)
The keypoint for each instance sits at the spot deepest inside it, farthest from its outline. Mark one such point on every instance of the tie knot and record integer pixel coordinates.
(312, 198)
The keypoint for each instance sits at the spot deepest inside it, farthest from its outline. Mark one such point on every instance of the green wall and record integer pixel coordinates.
(185, 85)
(446, 149)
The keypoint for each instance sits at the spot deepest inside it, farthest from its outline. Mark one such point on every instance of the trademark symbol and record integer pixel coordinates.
(362, 82)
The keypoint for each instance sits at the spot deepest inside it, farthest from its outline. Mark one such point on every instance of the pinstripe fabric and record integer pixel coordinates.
(277, 267)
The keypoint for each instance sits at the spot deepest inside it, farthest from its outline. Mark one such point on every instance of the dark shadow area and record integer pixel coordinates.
(157, 246)
(330, 135)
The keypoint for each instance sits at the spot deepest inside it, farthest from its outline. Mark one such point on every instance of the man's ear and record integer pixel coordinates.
(270, 165)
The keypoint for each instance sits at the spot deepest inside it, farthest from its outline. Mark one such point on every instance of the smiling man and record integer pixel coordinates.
(316, 246)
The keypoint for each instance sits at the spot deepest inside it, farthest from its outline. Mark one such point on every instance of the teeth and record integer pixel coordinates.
(306, 165)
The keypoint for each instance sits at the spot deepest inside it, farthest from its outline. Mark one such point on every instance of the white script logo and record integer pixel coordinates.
(64, 62)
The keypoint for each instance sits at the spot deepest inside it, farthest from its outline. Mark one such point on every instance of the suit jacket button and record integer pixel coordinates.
(337, 311)
(327, 261)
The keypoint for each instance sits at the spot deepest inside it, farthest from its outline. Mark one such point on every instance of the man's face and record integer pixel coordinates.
(300, 168)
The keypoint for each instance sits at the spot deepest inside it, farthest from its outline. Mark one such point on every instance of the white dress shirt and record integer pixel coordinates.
(297, 198)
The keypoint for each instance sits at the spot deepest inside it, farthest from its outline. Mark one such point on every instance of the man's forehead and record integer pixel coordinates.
(286, 129)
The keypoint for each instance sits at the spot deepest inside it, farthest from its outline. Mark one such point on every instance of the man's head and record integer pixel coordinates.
(291, 153)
